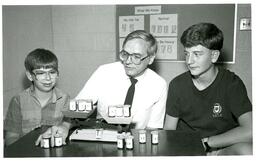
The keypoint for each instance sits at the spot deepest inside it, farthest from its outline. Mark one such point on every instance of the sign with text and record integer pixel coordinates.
(147, 10)
(164, 25)
(167, 48)
(127, 24)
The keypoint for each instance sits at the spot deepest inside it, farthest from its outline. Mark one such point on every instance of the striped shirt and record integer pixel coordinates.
(25, 112)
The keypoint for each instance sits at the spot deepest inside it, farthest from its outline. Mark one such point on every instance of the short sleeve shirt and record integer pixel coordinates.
(25, 112)
(211, 111)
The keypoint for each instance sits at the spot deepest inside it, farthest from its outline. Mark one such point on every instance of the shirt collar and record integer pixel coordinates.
(137, 77)
(55, 96)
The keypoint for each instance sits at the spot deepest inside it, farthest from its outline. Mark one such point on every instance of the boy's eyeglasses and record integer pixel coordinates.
(135, 57)
(43, 75)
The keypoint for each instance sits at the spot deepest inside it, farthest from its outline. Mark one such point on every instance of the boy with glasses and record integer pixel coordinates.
(110, 83)
(40, 104)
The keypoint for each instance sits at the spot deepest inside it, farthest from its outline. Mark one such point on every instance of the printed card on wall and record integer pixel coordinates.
(164, 25)
(167, 48)
(127, 24)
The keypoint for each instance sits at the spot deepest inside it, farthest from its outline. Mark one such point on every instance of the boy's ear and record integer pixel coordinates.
(29, 76)
(215, 55)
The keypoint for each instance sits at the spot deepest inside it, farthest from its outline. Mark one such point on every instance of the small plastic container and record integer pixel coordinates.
(111, 111)
(154, 137)
(57, 140)
(46, 141)
(120, 141)
(126, 110)
(129, 142)
(72, 105)
(142, 136)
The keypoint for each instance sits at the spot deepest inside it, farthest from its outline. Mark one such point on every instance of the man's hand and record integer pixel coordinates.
(51, 132)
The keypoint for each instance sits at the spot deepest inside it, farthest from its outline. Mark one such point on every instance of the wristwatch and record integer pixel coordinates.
(206, 145)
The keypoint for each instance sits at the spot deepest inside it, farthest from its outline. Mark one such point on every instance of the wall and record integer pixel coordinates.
(83, 37)
(24, 28)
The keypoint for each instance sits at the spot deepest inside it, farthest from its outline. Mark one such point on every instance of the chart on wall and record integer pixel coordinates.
(166, 22)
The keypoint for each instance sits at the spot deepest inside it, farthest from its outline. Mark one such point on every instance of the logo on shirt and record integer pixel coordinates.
(217, 110)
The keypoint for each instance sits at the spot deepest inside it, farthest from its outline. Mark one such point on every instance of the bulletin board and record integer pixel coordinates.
(167, 22)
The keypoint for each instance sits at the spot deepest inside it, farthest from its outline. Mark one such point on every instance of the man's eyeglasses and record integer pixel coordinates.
(42, 75)
(135, 57)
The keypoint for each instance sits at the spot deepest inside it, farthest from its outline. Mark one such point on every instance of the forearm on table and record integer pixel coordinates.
(233, 136)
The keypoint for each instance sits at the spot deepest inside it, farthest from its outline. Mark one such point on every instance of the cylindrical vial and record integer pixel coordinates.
(120, 141)
(72, 105)
(129, 142)
(88, 105)
(142, 136)
(119, 111)
(46, 141)
(57, 140)
(111, 111)
(154, 137)
(126, 110)
(81, 105)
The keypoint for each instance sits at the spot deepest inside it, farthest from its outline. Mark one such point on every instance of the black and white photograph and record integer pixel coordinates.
(117, 80)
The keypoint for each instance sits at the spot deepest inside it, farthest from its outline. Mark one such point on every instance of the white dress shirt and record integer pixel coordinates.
(108, 85)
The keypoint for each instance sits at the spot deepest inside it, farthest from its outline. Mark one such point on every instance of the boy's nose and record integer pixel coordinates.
(190, 59)
(47, 76)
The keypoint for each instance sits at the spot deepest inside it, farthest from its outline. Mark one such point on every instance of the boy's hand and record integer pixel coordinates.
(51, 132)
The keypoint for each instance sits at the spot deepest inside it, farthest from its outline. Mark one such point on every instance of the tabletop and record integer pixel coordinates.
(171, 143)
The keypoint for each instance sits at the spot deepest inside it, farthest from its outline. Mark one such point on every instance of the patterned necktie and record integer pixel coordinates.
(130, 92)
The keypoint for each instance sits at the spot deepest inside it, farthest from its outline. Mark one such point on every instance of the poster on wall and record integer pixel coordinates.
(128, 24)
(164, 25)
(165, 29)
(167, 48)
(166, 22)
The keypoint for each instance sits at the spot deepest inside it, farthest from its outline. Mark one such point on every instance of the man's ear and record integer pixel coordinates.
(215, 55)
(151, 59)
(29, 76)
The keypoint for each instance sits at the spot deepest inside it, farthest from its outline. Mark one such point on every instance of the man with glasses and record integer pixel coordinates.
(110, 83)
(39, 105)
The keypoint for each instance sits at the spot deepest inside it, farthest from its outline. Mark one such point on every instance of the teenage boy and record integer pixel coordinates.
(40, 104)
(210, 99)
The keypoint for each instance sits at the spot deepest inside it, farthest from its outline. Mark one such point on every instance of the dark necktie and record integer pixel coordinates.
(128, 101)
(130, 92)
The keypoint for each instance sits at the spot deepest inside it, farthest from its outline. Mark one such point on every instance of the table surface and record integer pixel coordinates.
(171, 143)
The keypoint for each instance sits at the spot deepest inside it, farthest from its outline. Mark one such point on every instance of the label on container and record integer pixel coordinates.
(72, 105)
(120, 142)
(154, 137)
(129, 142)
(46, 142)
(126, 110)
(57, 140)
(142, 136)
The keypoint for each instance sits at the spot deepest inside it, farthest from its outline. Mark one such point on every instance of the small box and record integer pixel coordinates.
(111, 111)
(127, 111)
(72, 105)
(88, 105)
(81, 105)
(119, 111)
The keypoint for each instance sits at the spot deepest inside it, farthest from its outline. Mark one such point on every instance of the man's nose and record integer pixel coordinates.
(129, 59)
